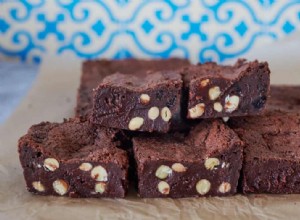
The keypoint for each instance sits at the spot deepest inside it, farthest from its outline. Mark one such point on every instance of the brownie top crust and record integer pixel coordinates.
(285, 98)
(239, 69)
(73, 140)
(207, 138)
(275, 135)
(94, 71)
(96, 68)
(139, 81)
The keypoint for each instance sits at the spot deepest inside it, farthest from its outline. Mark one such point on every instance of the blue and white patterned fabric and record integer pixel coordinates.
(200, 30)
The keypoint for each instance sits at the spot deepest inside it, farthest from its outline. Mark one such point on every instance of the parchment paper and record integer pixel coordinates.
(53, 97)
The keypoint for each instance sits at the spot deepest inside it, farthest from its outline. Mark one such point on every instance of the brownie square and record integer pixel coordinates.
(73, 158)
(205, 162)
(94, 71)
(272, 152)
(139, 102)
(226, 91)
(284, 98)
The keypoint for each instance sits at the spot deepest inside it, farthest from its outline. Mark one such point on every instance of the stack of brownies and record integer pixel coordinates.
(175, 129)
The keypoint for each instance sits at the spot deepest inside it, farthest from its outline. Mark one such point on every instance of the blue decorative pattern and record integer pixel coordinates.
(200, 30)
(195, 28)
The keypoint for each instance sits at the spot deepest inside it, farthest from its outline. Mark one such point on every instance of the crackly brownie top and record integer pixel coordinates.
(207, 138)
(98, 69)
(285, 98)
(133, 65)
(212, 69)
(75, 139)
(139, 81)
(94, 71)
(273, 135)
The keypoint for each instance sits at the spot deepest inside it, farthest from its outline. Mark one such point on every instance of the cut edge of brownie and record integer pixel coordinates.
(154, 106)
(224, 96)
(93, 71)
(176, 163)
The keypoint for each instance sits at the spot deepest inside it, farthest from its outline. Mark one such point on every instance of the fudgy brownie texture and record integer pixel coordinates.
(284, 98)
(272, 152)
(226, 91)
(139, 102)
(205, 162)
(73, 158)
(93, 73)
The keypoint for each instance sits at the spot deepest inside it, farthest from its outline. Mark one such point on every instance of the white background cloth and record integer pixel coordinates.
(15, 80)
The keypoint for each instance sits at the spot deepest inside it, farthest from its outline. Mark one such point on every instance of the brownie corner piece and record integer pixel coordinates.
(206, 162)
(271, 153)
(73, 159)
(148, 101)
(227, 91)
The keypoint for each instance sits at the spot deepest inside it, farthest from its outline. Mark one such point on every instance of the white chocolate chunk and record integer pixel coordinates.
(166, 114)
(99, 173)
(211, 163)
(163, 172)
(224, 187)
(51, 164)
(144, 99)
(153, 113)
(60, 187)
(85, 166)
(100, 187)
(204, 82)
(225, 119)
(214, 92)
(203, 186)
(163, 187)
(38, 186)
(197, 110)
(178, 167)
(135, 123)
(218, 107)
(231, 103)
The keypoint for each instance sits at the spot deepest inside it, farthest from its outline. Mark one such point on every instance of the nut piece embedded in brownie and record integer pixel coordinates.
(206, 162)
(73, 159)
(226, 91)
(272, 152)
(284, 98)
(139, 102)
(94, 71)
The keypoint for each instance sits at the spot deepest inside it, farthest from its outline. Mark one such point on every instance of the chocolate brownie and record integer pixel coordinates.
(226, 91)
(147, 101)
(93, 73)
(272, 152)
(205, 162)
(284, 98)
(73, 158)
